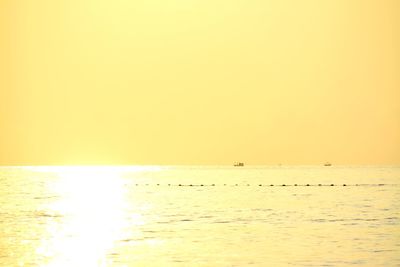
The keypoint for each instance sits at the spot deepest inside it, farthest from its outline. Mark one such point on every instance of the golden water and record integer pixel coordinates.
(140, 216)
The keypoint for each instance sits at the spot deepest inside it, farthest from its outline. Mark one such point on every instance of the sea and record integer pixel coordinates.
(200, 216)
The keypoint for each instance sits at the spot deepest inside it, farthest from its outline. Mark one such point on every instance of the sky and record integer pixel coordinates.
(199, 82)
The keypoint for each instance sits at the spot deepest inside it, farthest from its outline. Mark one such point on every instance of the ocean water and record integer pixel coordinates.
(200, 216)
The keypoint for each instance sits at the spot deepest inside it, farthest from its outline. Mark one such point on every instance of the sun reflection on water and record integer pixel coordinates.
(92, 205)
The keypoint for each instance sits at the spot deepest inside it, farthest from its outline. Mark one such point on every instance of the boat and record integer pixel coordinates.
(238, 164)
(327, 164)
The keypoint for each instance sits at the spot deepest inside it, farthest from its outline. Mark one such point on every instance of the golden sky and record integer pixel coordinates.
(199, 82)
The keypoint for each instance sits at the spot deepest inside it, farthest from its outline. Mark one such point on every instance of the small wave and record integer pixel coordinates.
(45, 197)
(222, 221)
(382, 250)
(206, 217)
(48, 215)
(392, 218)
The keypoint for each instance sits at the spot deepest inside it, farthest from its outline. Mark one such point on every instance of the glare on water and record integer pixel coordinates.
(92, 202)
(219, 216)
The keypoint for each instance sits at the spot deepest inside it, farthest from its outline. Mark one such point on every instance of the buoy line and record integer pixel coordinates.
(259, 185)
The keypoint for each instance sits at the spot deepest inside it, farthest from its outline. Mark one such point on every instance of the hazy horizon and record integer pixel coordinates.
(205, 165)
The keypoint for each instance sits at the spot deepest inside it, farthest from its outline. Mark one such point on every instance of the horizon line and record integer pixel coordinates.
(204, 165)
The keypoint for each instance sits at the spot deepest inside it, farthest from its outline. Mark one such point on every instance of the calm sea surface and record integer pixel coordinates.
(199, 216)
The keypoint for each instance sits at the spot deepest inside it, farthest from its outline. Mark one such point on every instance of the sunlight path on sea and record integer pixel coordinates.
(89, 217)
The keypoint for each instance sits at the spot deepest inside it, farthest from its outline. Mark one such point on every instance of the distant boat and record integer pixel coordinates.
(327, 164)
(238, 164)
